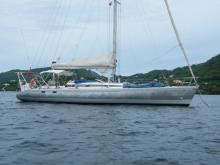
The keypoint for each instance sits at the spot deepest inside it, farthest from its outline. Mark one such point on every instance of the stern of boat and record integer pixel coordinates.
(23, 84)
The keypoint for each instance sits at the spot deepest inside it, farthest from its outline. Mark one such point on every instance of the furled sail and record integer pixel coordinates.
(100, 62)
(57, 72)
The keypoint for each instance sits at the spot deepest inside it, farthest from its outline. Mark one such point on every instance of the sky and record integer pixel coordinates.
(34, 33)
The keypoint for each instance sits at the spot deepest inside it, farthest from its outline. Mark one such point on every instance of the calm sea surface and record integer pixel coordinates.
(50, 134)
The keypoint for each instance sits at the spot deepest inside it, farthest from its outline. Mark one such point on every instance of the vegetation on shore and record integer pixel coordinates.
(208, 75)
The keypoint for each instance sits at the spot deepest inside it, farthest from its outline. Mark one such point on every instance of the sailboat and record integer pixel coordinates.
(100, 92)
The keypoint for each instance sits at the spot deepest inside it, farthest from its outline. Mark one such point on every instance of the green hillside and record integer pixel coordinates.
(208, 74)
(11, 75)
(6, 77)
(9, 80)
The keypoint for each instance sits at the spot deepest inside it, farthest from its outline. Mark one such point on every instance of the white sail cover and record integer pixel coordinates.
(106, 62)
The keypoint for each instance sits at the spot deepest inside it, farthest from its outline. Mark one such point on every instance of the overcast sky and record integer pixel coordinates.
(35, 32)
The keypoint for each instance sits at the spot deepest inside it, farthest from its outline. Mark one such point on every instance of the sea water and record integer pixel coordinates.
(63, 134)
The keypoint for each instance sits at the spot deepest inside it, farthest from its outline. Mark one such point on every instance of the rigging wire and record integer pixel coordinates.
(183, 50)
(109, 30)
(99, 34)
(146, 25)
(180, 41)
(45, 37)
(52, 33)
(202, 99)
(62, 30)
(84, 28)
(56, 31)
(149, 32)
(119, 39)
(98, 30)
(84, 6)
(25, 47)
(163, 55)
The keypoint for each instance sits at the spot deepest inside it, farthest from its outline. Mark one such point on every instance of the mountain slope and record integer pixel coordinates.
(207, 72)
(204, 71)
(11, 75)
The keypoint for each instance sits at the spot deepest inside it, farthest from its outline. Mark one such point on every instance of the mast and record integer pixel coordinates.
(180, 41)
(115, 30)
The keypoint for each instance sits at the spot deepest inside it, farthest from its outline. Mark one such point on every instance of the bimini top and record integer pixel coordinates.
(57, 72)
(106, 62)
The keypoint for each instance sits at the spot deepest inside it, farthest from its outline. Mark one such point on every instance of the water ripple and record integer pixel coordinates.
(38, 133)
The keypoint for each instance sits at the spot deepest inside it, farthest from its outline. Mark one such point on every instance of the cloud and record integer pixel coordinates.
(145, 32)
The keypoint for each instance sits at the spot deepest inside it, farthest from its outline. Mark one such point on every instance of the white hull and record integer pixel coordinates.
(155, 96)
